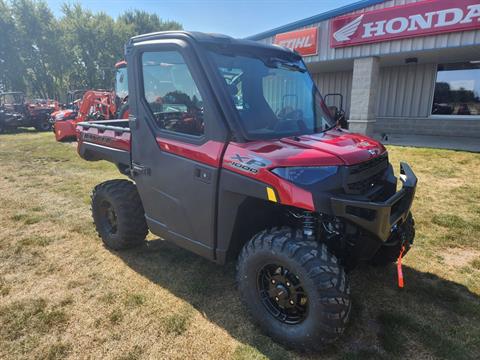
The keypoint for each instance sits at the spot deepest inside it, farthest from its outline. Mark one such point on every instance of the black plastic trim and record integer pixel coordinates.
(95, 152)
(379, 217)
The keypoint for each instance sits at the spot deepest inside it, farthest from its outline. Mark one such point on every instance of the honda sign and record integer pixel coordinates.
(303, 41)
(415, 19)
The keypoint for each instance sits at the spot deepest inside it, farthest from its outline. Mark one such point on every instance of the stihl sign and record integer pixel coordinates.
(416, 19)
(302, 41)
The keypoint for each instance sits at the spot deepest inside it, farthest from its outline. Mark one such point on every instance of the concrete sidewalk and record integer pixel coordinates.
(438, 142)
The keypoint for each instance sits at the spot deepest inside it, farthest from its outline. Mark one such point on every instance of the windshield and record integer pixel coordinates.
(121, 83)
(11, 98)
(274, 97)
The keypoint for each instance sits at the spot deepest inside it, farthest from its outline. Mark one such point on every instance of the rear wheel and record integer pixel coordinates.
(295, 289)
(43, 124)
(118, 214)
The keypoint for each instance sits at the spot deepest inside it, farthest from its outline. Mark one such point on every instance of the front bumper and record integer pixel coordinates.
(380, 217)
(64, 129)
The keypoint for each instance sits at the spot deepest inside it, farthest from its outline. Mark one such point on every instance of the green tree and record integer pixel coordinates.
(141, 22)
(38, 46)
(46, 56)
(11, 67)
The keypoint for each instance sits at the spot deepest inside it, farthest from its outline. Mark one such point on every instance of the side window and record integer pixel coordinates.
(171, 93)
(234, 77)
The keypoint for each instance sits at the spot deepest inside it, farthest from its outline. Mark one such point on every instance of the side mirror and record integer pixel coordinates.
(339, 114)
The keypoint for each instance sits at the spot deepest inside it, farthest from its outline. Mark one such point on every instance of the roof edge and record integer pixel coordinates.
(314, 19)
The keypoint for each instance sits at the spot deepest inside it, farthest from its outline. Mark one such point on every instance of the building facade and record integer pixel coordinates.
(401, 66)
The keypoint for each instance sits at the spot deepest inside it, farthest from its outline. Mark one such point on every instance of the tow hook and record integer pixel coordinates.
(399, 268)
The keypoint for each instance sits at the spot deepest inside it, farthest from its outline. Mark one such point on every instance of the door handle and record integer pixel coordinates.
(132, 122)
(203, 174)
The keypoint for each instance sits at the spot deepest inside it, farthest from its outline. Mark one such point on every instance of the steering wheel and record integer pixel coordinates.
(289, 120)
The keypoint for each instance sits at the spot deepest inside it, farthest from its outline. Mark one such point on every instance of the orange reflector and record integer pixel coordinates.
(271, 195)
(399, 268)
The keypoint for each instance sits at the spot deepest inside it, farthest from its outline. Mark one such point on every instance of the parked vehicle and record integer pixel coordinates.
(17, 112)
(8, 120)
(233, 154)
(70, 109)
(95, 105)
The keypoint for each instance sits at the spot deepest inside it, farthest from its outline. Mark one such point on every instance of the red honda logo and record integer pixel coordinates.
(416, 19)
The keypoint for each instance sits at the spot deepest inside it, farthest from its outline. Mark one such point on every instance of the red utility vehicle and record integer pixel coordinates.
(95, 105)
(233, 154)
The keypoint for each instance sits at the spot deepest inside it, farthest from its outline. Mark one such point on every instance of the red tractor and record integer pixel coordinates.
(17, 112)
(70, 109)
(95, 105)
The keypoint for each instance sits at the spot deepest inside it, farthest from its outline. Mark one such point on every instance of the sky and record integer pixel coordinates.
(237, 18)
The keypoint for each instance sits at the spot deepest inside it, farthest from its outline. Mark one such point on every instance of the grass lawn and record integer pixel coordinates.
(63, 295)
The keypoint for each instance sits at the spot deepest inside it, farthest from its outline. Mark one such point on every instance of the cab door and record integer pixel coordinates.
(178, 137)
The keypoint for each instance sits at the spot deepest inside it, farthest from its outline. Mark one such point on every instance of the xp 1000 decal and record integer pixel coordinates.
(248, 163)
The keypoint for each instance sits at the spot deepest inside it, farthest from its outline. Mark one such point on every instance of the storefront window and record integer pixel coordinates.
(457, 89)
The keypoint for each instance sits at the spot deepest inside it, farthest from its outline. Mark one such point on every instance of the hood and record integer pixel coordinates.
(334, 147)
(349, 148)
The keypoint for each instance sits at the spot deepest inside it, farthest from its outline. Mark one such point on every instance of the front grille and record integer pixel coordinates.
(355, 169)
(364, 177)
(364, 186)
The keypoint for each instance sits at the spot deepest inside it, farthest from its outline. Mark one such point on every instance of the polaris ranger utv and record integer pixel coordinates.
(233, 154)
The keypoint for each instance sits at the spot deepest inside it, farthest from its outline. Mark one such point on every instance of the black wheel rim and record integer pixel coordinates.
(45, 125)
(282, 293)
(108, 217)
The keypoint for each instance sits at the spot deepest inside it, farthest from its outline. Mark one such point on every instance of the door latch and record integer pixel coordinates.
(138, 169)
(202, 174)
(132, 122)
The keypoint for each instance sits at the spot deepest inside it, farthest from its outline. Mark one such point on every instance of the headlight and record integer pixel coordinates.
(306, 175)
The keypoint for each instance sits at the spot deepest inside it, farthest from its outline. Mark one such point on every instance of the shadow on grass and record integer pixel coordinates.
(19, 130)
(430, 315)
(32, 130)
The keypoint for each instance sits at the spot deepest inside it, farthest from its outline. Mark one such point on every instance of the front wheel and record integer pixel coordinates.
(294, 289)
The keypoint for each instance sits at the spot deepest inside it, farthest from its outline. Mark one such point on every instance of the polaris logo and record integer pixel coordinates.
(94, 137)
(410, 20)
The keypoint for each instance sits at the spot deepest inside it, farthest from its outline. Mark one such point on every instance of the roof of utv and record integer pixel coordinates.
(200, 37)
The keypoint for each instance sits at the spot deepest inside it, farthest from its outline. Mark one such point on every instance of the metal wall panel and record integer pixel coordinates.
(336, 82)
(406, 91)
(325, 53)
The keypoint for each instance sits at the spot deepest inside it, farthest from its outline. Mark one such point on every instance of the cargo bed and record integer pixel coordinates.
(105, 140)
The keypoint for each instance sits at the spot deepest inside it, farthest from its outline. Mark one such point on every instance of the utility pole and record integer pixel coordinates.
(3, 79)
